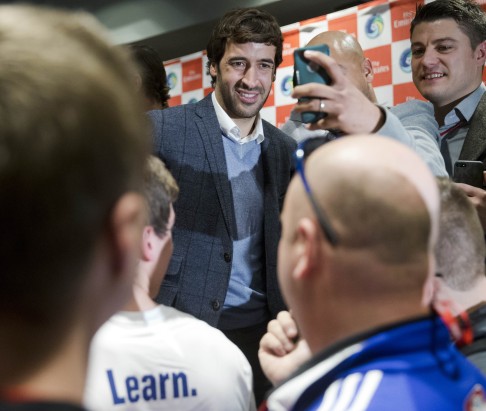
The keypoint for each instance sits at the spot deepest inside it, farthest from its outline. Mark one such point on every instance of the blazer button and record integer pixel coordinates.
(216, 305)
(227, 257)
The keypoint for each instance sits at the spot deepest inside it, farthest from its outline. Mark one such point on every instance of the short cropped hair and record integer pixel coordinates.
(160, 191)
(244, 26)
(468, 15)
(72, 137)
(460, 250)
(152, 72)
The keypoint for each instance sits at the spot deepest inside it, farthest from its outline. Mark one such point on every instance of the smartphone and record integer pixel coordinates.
(469, 172)
(306, 71)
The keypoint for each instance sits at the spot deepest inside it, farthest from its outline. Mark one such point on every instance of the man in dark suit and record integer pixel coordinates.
(233, 169)
(448, 55)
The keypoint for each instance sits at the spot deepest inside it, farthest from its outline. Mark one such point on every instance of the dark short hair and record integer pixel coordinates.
(160, 191)
(152, 72)
(73, 136)
(468, 15)
(244, 26)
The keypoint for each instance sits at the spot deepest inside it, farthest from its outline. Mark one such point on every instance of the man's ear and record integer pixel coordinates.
(152, 244)
(481, 53)
(124, 232)
(307, 247)
(213, 69)
(146, 246)
(368, 70)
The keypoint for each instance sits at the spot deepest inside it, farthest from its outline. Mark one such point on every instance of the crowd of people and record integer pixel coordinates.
(199, 258)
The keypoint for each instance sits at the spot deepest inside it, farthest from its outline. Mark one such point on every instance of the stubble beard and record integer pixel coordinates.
(234, 107)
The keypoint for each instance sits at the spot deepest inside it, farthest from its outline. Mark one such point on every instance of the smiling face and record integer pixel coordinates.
(445, 68)
(244, 78)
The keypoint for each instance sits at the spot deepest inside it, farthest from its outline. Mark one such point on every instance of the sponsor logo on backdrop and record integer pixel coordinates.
(172, 80)
(407, 19)
(286, 85)
(406, 60)
(378, 68)
(287, 49)
(192, 76)
(374, 26)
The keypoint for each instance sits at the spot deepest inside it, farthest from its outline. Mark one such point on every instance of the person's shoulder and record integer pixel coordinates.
(289, 126)
(482, 103)
(209, 338)
(181, 319)
(277, 135)
(167, 112)
(412, 108)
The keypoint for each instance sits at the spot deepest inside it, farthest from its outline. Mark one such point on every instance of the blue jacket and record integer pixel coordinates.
(409, 366)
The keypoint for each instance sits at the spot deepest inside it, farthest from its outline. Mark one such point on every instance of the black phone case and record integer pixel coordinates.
(469, 172)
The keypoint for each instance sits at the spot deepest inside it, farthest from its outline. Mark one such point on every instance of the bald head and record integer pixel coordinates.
(376, 159)
(380, 197)
(383, 203)
(340, 44)
(345, 49)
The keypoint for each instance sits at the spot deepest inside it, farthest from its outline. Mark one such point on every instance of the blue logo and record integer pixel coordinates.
(406, 60)
(192, 100)
(374, 26)
(172, 80)
(286, 85)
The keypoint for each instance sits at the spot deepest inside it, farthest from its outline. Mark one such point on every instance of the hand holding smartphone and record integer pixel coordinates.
(469, 172)
(306, 71)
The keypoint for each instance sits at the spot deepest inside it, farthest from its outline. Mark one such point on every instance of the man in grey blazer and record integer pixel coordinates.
(233, 169)
(448, 55)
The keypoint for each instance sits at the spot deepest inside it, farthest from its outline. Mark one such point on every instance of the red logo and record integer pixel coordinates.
(476, 399)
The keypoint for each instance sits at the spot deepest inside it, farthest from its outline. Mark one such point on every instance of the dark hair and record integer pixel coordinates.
(244, 26)
(152, 71)
(468, 15)
(160, 191)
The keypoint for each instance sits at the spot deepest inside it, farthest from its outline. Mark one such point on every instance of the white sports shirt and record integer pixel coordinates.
(163, 359)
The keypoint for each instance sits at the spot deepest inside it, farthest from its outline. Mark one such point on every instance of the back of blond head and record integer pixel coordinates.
(72, 141)
(160, 191)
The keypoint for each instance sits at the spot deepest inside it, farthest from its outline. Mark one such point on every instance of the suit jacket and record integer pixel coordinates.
(188, 139)
(474, 147)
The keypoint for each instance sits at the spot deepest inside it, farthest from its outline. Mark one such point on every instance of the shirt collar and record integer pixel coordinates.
(466, 107)
(231, 130)
(284, 396)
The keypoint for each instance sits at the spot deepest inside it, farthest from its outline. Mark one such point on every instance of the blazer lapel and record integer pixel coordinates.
(474, 147)
(211, 136)
(269, 162)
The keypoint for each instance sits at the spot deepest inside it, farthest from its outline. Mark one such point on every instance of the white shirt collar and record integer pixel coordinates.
(286, 395)
(232, 131)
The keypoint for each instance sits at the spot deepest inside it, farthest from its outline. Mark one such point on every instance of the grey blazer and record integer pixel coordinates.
(474, 147)
(188, 139)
